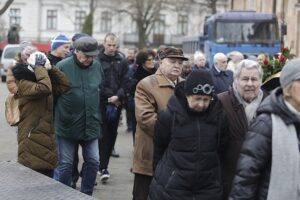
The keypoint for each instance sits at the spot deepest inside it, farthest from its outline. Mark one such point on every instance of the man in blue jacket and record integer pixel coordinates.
(222, 77)
(77, 113)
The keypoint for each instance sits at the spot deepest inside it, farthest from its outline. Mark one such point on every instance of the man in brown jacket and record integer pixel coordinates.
(240, 104)
(151, 96)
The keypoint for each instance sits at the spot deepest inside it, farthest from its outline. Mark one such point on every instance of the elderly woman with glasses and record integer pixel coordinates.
(187, 141)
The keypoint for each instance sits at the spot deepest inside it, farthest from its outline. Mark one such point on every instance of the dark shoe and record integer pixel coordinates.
(104, 176)
(73, 184)
(114, 154)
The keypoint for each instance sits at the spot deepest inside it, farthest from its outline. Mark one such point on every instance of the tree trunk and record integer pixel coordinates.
(89, 20)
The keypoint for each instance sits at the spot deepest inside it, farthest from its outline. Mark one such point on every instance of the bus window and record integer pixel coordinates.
(246, 32)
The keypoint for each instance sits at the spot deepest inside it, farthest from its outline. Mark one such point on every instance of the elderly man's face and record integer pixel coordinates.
(171, 67)
(248, 84)
(84, 59)
(200, 62)
(292, 94)
(221, 63)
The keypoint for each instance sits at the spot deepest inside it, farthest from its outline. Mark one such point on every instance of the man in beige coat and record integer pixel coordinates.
(151, 96)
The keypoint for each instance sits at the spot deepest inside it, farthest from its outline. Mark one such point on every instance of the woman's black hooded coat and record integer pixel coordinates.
(186, 151)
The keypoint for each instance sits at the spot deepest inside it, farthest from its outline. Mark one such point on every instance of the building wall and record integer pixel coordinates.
(34, 20)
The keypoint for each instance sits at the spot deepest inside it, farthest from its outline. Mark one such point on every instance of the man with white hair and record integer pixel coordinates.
(199, 61)
(240, 104)
(268, 166)
(222, 77)
(235, 58)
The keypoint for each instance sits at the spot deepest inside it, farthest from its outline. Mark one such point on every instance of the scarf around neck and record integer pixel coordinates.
(285, 169)
(250, 108)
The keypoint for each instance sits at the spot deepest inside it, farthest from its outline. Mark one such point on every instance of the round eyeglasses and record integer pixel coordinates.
(206, 89)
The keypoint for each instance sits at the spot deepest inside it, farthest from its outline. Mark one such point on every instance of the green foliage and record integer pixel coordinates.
(88, 24)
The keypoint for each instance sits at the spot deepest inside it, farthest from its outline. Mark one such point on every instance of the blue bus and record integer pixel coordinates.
(249, 32)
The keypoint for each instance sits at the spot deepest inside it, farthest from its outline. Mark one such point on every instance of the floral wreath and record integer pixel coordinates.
(275, 63)
(272, 67)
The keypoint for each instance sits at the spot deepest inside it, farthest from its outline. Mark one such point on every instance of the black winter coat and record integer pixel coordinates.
(116, 76)
(186, 145)
(252, 177)
(139, 74)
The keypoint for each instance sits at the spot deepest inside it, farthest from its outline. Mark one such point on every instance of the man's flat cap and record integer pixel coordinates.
(88, 45)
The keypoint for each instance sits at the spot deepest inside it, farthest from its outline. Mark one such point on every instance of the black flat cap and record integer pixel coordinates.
(88, 45)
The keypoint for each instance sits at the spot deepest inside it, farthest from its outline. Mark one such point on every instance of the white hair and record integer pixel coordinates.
(218, 56)
(198, 54)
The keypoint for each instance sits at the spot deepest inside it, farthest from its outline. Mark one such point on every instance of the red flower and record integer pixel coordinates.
(281, 58)
(266, 62)
(282, 49)
(276, 56)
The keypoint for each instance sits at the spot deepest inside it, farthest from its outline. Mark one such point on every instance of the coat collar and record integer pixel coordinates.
(163, 81)
(219, 73)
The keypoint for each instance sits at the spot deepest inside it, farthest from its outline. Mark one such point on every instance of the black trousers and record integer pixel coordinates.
(109, 136)
(141, 186)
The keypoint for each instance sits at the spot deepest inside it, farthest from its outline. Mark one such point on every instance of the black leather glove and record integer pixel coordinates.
(40, 60)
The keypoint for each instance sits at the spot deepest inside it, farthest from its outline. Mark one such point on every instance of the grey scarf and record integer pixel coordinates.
(250, 108)
(285, 169)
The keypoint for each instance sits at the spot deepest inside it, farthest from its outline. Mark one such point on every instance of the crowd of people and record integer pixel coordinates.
(199, 132)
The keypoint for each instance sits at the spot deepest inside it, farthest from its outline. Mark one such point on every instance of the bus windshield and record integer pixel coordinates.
(247, 32)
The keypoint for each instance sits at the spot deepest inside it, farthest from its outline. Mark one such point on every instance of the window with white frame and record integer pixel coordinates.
(133, 26)
(159, 25)
(182, 27)
(51, 19)
(106, 21)
(79, 19)
(15, 16)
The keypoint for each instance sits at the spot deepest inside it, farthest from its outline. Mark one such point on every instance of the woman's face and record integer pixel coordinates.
(149, 64)
(292, 94)
(26, 53)
(198, 103)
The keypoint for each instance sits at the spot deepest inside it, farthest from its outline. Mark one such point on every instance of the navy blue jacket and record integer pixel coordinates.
(222, 80)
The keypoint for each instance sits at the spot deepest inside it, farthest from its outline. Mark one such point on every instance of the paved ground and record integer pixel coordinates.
(120, 184)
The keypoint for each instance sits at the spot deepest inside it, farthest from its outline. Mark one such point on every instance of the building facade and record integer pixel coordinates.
(40, 20)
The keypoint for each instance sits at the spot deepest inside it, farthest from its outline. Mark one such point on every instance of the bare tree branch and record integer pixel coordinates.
(6, 6)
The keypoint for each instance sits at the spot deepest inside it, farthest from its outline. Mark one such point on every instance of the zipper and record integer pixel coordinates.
(198, 149)
(29, 132)
(170, 178)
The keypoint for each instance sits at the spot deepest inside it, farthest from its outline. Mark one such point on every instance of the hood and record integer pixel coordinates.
(274, 103)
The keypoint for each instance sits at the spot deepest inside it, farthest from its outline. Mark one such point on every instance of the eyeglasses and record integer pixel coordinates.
(206, 89)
